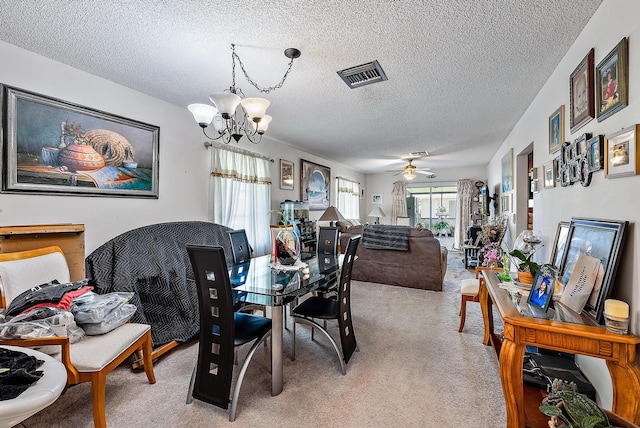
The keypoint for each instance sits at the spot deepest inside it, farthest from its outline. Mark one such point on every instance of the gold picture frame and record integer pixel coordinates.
(612, 82)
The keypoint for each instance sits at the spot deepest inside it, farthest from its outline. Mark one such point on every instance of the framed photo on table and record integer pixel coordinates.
(602, 239)
(621, 153)
(612, 82)
(286, 174)
(542, 289)
(556, 130)
(560, 243)
(53, 146)
(581, 94)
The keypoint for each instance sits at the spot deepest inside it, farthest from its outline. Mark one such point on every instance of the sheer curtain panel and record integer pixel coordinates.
(399, 207)
(241, 194)
(348, 198)
(466, 190)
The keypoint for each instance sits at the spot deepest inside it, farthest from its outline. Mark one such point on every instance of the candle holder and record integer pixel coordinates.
(616, 316)
(616, 324)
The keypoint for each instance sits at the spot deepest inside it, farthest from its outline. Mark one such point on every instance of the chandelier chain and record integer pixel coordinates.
(235, 56)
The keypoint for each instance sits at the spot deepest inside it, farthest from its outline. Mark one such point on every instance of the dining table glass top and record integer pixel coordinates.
(255, 281)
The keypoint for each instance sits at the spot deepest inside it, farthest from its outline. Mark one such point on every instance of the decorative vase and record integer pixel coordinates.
(286, 247)
(525, 277)
(80, 157)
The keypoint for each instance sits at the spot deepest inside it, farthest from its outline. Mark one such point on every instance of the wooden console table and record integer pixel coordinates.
(579, 337)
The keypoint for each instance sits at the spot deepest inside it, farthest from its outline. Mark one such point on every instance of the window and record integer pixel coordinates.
(241, 194)
(348, 198)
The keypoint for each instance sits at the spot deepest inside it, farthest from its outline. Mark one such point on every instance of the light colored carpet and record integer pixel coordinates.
(413, 370)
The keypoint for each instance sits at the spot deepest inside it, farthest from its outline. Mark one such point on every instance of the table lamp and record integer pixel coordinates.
(377, 213)
(331, 215)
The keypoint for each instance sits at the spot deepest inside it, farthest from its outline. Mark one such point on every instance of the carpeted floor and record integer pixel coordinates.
(413, 370)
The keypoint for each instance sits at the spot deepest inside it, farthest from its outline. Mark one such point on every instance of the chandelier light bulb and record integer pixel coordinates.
(202, 113)
(226, 103)
(262, 125)
(256, 108)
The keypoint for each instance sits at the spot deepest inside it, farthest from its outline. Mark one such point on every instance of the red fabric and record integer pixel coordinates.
(65, 302)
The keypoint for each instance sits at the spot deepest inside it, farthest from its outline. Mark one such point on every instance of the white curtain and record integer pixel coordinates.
(241, 199)
(399, 207)
(466, 190)
(348, 198)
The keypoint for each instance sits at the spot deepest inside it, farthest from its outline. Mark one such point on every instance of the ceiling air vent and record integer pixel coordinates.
(364, 74)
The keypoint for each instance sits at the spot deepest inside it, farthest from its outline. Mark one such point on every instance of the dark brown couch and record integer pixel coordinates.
(422, 266)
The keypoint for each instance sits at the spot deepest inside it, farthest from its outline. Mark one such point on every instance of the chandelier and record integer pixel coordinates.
(231, 123)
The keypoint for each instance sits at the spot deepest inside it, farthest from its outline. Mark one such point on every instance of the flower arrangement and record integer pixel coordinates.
(493, 230)
(491, 254)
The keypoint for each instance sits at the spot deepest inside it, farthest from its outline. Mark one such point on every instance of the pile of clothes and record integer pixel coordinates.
(69, 309)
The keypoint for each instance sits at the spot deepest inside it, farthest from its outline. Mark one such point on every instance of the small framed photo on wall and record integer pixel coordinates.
(622, 153)
(286, 174)
(376, 198)
(556, 130)
(548, 175)
(595, 153)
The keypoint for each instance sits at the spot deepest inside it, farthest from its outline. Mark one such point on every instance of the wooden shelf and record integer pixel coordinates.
(69, 237)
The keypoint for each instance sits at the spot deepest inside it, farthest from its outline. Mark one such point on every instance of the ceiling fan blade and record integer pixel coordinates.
(427, 173)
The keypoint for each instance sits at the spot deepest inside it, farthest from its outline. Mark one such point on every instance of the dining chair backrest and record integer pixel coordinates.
(328, 240)
(214, 368)
(240, 245)
(345, 322)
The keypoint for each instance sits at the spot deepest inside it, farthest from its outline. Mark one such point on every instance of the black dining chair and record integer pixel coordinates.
(240, 245)
(328, 240)
(221, 331)
(332, 308)
(241, 251)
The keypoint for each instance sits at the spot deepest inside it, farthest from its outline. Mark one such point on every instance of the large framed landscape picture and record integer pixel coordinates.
(52, 146)
(316, 185)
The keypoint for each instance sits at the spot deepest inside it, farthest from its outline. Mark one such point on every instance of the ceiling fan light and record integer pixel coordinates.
(202, 113)
(226, 103)
(256, 108)
(262, 125)
(410, 175)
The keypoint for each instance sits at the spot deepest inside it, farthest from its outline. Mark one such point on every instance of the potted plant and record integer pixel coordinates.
(577, 410)
(441, 227)
(527, 268)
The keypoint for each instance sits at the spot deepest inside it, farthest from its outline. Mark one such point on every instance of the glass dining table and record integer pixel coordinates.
(256, 282)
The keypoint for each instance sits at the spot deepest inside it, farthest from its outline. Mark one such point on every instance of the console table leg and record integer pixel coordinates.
(625, 379)
(487, 315)
(511, 356)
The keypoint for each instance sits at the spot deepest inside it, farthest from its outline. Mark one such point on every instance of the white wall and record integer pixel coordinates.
(184, 162)
(605, 198)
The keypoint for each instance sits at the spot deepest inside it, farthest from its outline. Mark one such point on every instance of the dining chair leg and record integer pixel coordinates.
(463, 312)
(243, 370)
(191, 384)
(293, 347)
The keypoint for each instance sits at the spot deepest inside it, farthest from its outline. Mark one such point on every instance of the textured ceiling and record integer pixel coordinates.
(461, 72)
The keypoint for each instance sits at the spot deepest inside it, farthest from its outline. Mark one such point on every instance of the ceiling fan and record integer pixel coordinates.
(410, 171)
